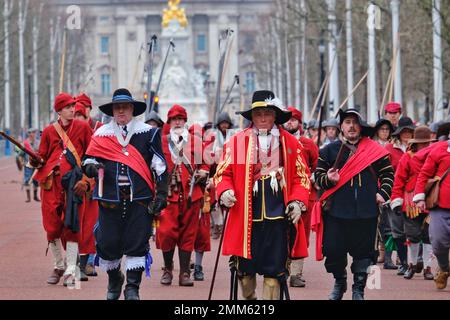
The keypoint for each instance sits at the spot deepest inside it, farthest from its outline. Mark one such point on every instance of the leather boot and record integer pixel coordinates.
(55, 276)
(441, 279)
(388, 264)
(409, 274)
(185, 272)
(134, 278)
(198, 273)
(427, 274)
(166, 278)
(340, 287)
(35, 193)
(359, 283)
(28, 195)
(296, 279)
(402, 253)
(115, 282)
(83, 262)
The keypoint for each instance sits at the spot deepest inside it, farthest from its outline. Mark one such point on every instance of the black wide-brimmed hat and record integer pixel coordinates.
(123, 96)
(403, 124)
(444, 128)
(267, 99)
(382, 122)
(366, 129)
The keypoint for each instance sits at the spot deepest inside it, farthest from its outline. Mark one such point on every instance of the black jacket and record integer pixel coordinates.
(149, 145)
(357, 198)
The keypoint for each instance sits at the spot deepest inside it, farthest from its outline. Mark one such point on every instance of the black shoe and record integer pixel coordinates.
(115, 282)
(419, 267)
(35, 196)
(83, 261)
(198, 273)
(409, 274)
(359, 283)
(402, 269)
(134, 278)
(340, 287)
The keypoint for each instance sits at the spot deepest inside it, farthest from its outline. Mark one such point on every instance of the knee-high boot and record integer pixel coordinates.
(134, 278)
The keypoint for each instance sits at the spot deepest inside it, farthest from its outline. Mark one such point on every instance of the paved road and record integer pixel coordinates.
(24, 267)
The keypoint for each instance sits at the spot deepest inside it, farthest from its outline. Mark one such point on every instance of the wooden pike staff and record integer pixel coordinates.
(352, 92)
(63, 61)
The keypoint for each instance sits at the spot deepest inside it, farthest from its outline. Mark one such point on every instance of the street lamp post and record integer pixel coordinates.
(29, 73)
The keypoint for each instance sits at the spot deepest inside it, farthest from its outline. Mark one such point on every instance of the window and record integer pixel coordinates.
(201, 43)
(250, 82)
(104, 45)
(106, 84)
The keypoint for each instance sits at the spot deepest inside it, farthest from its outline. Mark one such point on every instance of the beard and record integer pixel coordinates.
(291, 130)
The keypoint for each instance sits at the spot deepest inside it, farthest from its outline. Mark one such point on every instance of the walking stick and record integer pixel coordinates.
(218, 254)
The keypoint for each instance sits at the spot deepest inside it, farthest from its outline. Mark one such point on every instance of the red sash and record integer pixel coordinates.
(367, 152)
(108, 148)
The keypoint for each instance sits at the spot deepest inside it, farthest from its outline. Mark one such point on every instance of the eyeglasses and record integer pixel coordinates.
(384, 129)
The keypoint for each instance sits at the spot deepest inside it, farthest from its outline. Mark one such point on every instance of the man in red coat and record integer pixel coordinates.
(415, 226)
(62, 146)
(311, 155)
(178, 223)
(263, 179)
(438, 164)
(90, 214)
(87, 103)
(396, 149)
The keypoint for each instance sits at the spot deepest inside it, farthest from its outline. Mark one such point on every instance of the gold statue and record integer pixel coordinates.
(174, 13)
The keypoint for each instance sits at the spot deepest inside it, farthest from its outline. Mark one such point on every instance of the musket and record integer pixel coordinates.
(29, 152)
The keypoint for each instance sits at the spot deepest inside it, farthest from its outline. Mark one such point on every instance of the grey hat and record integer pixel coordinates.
(312, 124)
(154, 116)
(331, 123)
(435, 126)
(444, 128)
(224, 117)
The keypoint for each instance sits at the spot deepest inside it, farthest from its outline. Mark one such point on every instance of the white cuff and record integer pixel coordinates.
(89, 161)
(107, 265)
(419, 197)
(133, 263)
(396, 202)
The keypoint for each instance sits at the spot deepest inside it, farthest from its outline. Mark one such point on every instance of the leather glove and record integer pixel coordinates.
(228, 199)
(159, 204)
(91, 170)
(161, 194)
(81, 187)
(294, 211)
(201, 176)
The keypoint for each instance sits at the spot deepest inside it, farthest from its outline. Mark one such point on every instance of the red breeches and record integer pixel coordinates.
(178, 227)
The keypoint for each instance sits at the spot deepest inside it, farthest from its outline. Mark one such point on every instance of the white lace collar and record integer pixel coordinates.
(134, 127)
